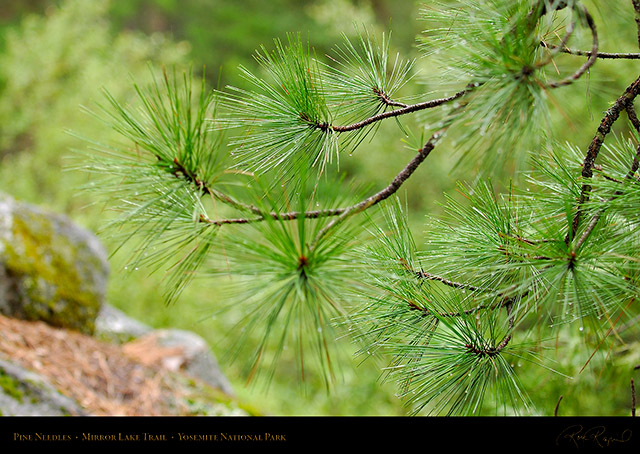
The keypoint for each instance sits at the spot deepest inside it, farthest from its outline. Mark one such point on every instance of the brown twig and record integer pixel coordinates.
(611, 116)
(432, 277)
(506, 302)
(425, 312)
(493, 351)
(556, 49)
(388, 101)
(636, 8)
(398, 112)
(448, 282)
(632, 171)
(633, 398)
(592, 57)
(341, 213)
(633, 116)
(600, 55)
(288, 216)
(387, 192)
(179, 171)
(555, 411)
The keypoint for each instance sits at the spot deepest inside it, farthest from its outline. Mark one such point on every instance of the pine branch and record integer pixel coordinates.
(287, 216)
(557, 408)
(636, 8)
(493, 351)
(563, 44)
(407, 109)
(426, 312)
(391, 189)
(387, 100)
(342, 213)
(592, 57)
(596, 218)
(180, 171)
(458, 285)
(587, 53)
(606, 124)
(506, 302)
(633, 398)
(446, 351)
(633, 116)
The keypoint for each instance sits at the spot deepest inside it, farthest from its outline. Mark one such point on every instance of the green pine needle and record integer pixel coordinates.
(291, 296)
(159, 176)
(285, 118)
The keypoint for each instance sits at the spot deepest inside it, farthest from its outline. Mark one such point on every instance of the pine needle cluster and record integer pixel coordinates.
(241, 182)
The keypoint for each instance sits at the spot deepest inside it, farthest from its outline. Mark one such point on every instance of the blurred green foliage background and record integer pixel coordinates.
(55, 56)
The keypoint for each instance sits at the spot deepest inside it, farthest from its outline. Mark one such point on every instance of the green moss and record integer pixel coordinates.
(11, 387)
(48, 267)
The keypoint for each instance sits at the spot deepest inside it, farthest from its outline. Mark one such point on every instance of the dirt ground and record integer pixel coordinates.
(104, 378)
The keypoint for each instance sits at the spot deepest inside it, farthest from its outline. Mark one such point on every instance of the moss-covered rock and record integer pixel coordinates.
(24, 393)
(50, 269)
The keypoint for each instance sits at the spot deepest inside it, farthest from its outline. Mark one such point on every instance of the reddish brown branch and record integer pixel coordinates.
(398, 112)
(636, 7)
(604, 129)
(388, 101)
(414, 307)
(630, 174)
(341, 213)
(493, 351)
(593, 56)
(633, 398)
(387, 192)
(447, 282)
(555, 411)
(600, 55)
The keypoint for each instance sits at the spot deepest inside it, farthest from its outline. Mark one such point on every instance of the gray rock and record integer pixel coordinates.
(192, 355)
(115, 326)
(183, 350)
(50, 269)
(23, 393)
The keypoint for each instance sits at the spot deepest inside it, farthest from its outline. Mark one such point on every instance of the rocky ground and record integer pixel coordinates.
(47, 370)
